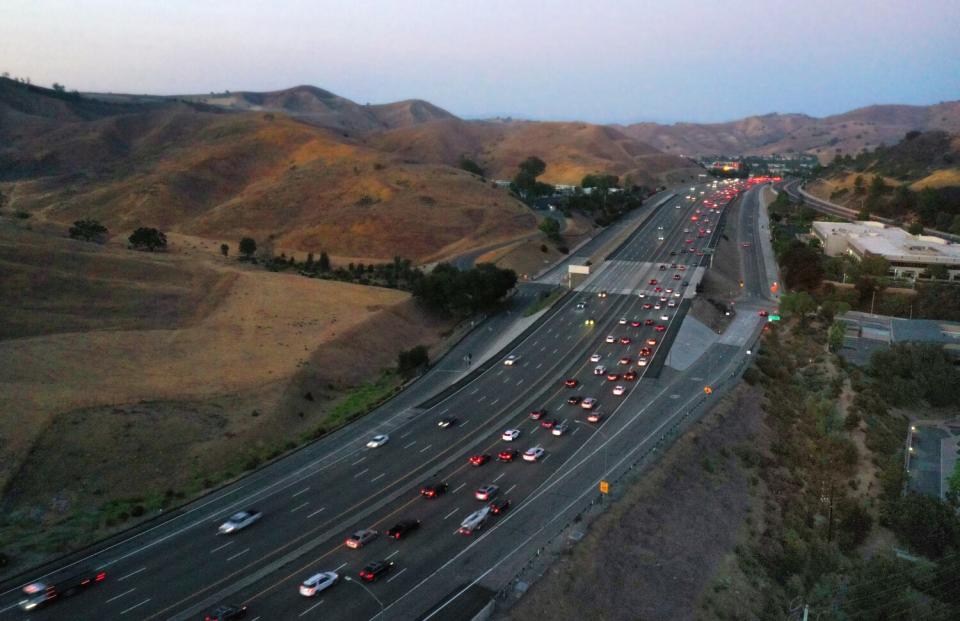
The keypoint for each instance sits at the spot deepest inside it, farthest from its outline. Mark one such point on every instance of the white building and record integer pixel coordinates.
(909, 255)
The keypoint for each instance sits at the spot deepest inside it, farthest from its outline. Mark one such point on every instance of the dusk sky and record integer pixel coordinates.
(600, 61)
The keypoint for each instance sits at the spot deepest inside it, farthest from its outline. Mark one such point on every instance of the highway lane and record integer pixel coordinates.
(301, 501)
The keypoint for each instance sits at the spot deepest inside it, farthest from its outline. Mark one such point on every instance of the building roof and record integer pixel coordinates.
(893, 243)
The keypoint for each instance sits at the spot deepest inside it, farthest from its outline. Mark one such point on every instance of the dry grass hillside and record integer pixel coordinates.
(571, 150)
(225, 175)
(150, 372)
(850, 132)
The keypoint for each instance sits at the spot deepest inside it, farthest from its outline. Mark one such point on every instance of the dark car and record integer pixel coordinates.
(226, 613)
(375, 569)
(574, 399)
(571, 382)
(402, 528)
(508, 455)
(449, 421)
(433, 490)
(499, 506)
(537, 414)
(549, 423)
(630, 375)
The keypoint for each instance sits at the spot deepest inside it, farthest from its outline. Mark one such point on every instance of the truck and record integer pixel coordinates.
(42, 593)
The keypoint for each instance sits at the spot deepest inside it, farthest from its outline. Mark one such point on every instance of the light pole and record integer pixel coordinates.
(364, 587)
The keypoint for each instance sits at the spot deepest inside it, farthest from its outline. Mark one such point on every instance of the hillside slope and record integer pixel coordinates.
(571, 150)
(849, 132)
(201, 171)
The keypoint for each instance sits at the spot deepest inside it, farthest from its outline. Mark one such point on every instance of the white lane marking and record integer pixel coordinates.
(459, 487)
(303, 491)
(298, 507)
(218, 548)
(135, 607)
(495, 401)
(409, 445)
(361, 473)
(556, 350)
(310, 608)
(464, 423)
(520, 382)
(238, 554)
(574, 432)
(342, 565)
(426, 448)
(378, 477)
(121, 595)
(544, 348)
(317, 512)
(538, 366)
(511, 489)
(474, 391)
(397, 575)
(392, 554)
(131, 574)
(445, 410)
(545, 457)
(358, 461)
(481, 398)
(404, 435)
(499, 476)
(451, 513)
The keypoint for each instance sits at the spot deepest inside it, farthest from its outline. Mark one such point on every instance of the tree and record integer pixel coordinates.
(858, 187)
(953, 485)
(224, 249)
(915, 228)
(801, 266)
(797, 303)
(835, 336)
(470, 166)
(601, 182)
(248, 247)
(148, 238)
(551, 228)
(938, 272)
(60, 88)
(324, 263)
(411, 361)
(874, 265)
(878, 186)
(88, 230)
(525, 184)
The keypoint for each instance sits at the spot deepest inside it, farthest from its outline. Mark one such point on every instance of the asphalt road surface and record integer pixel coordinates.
(312, 500)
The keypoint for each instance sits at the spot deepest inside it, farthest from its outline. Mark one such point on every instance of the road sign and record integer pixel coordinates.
(773, 318)
(604, 487)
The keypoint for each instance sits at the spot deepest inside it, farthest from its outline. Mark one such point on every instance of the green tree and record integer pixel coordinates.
(248, 247)
(224, 250)
(412, 361)
(88, 230)
(525, 184)
(938, 272)
(802, 267)
(915, 228)
(953, 485)
(874, 265)
(858, 187)
(930, 203)
(324, 263)
(551, 228)
(835, 336)
(148, 238)
(798, 303)
(602, 182)
(60, 88)
(470, 166)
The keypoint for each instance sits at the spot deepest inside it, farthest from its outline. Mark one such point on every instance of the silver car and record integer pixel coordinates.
(239, 521)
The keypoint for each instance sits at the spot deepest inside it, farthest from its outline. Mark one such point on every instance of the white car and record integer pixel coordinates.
(611, 339)
(533, 454)
(619, 390)
(378, 441)
(474, 521)
(511, 360)
(318, 583)
(511, 434)
(595, 358)
(239, 521)
(641, 295)
(657, 306)
(672, 304)
(664, 317)
(599, 369)
(641, 362)
(560, 428)
(623, 321)
(676, 294)
(589, 403)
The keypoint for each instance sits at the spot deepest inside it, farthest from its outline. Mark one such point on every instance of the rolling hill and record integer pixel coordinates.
(850, 132)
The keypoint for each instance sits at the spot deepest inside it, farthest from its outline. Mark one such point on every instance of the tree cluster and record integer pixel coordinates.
(450, 291)
(909, 372)
(412, 361)
(525, 184)
(88, 230)
(148, 238)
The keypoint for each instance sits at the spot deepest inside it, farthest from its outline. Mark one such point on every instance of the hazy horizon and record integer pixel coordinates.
(610, 62)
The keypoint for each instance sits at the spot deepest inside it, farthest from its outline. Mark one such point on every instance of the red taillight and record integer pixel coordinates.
(101, 576)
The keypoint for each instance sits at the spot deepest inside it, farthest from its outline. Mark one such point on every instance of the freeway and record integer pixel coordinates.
(312, 500)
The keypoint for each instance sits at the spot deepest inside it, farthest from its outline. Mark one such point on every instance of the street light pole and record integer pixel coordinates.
(364, 587)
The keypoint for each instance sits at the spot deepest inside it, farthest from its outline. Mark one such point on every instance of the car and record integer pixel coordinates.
(599, 369)
(630, 376)
(685, 283)
(625, 340)
(595, 358)
(648, 322)
(657, 306)
(688, 240)
(589, 321)
(581, 306)
(676, 294)
(624, 361)
(671, 304)
(668, 291)
(238, 521)
(745, 245)
(560, 428)
(663, 300)
(764, 313)
(361, 538)
(699, 253)
(507, 455)
(571, 382)
(636, 323)
(378, 441)
(574, 399)
(486, 492)
(318, 583)
(647, 306)
(479, 460)
(402, 528)
(677, 277)
(602, 294)
(550, 423)
(443, 423)
(641, 294)
(375, 569)
(474, 521)
(673, 253)
(619, 390)
(651, 342)
(641, 362)
(612, 377)
(589, 403)
(660, 328)
(611, 338)
(226, 612)
(510, 435)
(511, 360)
(500, 506)
(594, 417)
(653, 281)
(538, 414)
(645, 351)
(40, 593)
(622, 321)
(662, 267)
(682, 268)
(664, 317)
(657, 289)
(433, 490)
(533, 453)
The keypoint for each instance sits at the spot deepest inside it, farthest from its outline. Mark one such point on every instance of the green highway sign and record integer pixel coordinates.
(773, 318)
